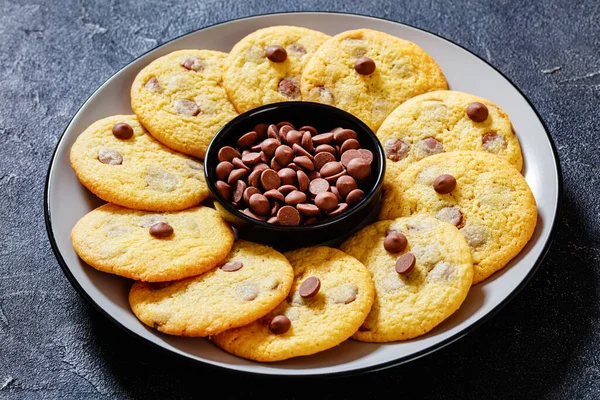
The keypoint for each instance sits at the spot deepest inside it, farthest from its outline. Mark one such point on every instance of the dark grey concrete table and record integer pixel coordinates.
(53, 55)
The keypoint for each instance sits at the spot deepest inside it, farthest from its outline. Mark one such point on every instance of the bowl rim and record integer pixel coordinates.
(353, 372)
(274, 107)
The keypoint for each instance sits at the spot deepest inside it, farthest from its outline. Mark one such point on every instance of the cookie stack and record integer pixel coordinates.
(455, 210)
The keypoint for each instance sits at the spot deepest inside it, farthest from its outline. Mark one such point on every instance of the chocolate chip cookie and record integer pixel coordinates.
(265, 66)
(248, 284)
(480, 193)
(118, 161)
(369, 73)
(330, 298)
(153, 247)
(422, 270)
(179, 98)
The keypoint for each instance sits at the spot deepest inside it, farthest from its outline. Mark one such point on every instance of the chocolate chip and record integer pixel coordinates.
(289, 88)
(303, 180)
(295, 197)
(325, 148)
(323, 158)
(405, 263)
(224, 190)
(326, 201)
(285, 123)
(287, 176)
(309, 287)
(280, 324)
(335, 191)
(366, 154)
(269, 179)
(293, 137)
(238, 163)
(251, 214)
(331, 168)
(333, 178)
(247, 140)
(317, 186)
(186, 107)
(161, 230)
(275, 165)
(493, 142)
(359, 169)
(342, 135)
(284, 155)
(274, 194)
(276, 53)
(110, 157)
(261, 130)
(288, 216)
(395, 149)
(232, 266)
(444, 184)
(312, 175)
(227, 153)
(345, 184)
(307, 142)
(307, 128)
(451, 215)
(304, 162)
(122, 131)
(300, 151)
(238, 190)
(350, 144)
(152, 84)
(251, 158)
(307, 209)
(339, 210)
(259, 204)
(477, 111)
(254, 177)
(323, 138)
(236, 174)
(355, 197)
(285, 189)
(194, 64)
(272, 220)
(268, 146)
(223, 169)
(364, 66)
(273, 132)
(395, 242)
(250, 190)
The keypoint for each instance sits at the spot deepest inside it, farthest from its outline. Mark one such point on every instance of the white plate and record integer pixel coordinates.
(67, 200)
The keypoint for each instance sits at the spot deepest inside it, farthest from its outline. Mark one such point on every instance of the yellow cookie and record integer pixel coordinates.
(180, 99)
(251, 281)
(438, 122)
(252, 79)
(124, 242)
(492, 204)
(137, 172)
(314, 324)
(402, 70)
(410, 304)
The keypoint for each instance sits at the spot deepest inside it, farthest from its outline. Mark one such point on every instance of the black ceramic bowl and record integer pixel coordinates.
(330, 231)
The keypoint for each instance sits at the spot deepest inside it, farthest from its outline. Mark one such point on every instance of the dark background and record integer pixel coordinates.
(53, 55)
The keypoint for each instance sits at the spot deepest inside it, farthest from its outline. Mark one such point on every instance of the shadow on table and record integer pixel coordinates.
(528, 350)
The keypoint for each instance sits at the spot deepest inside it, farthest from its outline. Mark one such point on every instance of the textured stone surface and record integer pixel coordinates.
(544, 344)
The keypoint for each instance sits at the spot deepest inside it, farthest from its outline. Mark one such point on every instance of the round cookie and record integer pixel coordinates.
(492, 204)
(120, 241)
(402, 70)
(411, 304)
(318, 323)
(136, 172)
(179, 98)
(438, 122)
(221, 299)
(251, 79)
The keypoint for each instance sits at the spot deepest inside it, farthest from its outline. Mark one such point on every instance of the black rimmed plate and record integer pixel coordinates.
(66, 200)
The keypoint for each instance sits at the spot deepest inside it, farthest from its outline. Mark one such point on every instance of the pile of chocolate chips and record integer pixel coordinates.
(288, 176)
